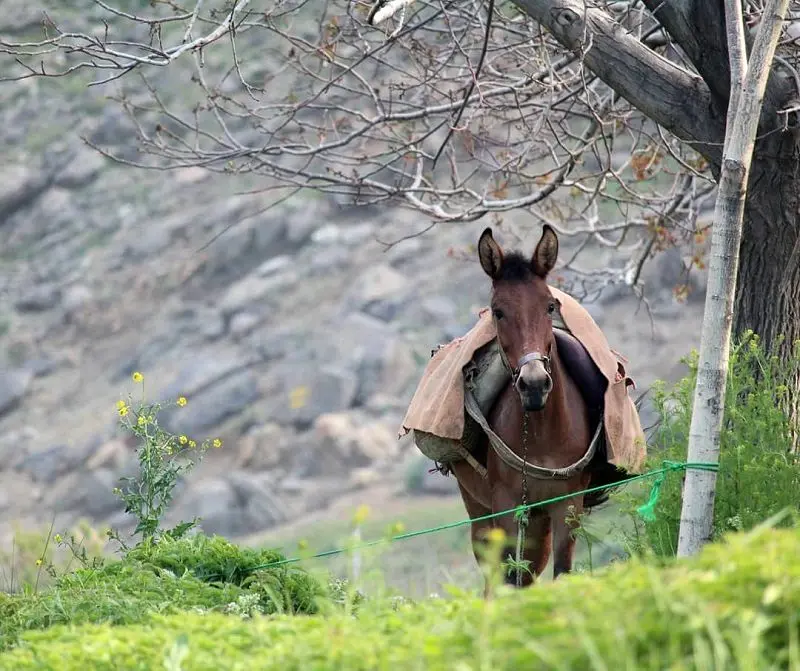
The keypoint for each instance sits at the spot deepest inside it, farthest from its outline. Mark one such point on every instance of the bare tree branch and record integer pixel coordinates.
(666, 93)
(309, 95)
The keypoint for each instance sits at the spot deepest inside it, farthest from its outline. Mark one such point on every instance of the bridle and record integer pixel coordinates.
(523, 360)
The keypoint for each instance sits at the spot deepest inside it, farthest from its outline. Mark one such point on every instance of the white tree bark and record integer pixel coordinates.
(747, 93)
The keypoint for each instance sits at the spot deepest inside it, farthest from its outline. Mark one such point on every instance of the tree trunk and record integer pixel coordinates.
(768, 292)
(748, 85)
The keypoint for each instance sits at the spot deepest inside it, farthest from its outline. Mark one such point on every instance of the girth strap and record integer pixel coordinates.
(512, 459)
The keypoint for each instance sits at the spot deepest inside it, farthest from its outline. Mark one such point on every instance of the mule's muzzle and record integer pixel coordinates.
(534, 402)
(534, 382)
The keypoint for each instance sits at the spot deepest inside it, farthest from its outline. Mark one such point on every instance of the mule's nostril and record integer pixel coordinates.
(540, 385)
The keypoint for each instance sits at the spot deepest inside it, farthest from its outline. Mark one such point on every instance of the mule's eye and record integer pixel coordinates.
(551, 308)
(498, 313)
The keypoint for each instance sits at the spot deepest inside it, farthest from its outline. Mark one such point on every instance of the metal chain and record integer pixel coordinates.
(524, 458)
(522, 516)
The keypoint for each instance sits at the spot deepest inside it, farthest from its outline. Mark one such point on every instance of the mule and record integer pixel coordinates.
(547, 415)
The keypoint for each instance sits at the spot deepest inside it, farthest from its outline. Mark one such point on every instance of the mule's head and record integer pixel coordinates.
(523, 309)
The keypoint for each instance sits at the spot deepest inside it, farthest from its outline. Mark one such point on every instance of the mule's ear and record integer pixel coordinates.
(546, 253)
(490, 254)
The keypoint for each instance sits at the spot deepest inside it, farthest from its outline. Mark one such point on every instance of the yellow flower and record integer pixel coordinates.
(496, 535)
(298, 397)
(58, 538)
(183, 440)
(121, 404)
(123, 410)
(192, 444)
(302, 545)
(38, 562)
(182, 401)
(361, 514)
(138, 377)
(141, 420)
(217, 443)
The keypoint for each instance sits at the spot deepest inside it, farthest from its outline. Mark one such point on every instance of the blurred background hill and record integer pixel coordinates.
(296, 330)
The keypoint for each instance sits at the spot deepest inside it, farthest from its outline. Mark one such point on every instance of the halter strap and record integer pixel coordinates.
(524, 359)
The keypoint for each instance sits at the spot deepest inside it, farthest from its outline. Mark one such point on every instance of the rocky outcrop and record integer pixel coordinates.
(295, 335)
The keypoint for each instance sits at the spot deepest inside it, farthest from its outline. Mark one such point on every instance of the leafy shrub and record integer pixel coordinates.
(758, 476)
(735, 606)
(283, 587)
(197, 573)
(119, 593)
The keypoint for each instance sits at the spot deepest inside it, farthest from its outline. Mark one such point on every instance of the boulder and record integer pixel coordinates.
(212, 405)
(381, 359)
(39, 298)
(81, 169)
(47, 465)
(253, 289)
(380, 291)
(264, 447)
(243, 323)
(20, 185)
(14, 385)
(262, 508)
(212, 499)
(308, 391)
(355, 440)
(239, 503)
(15, 445)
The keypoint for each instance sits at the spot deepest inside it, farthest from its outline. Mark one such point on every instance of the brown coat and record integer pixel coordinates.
(437, 406)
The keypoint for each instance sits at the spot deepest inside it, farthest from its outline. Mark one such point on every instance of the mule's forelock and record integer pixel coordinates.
(515, 268)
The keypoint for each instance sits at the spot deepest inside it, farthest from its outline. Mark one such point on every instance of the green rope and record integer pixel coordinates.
(647, 511)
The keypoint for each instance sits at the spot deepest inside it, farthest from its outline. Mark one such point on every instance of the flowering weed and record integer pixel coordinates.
(163, 458)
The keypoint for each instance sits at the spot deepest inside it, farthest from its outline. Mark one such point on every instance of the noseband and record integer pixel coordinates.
(524, 359)
(532, 356)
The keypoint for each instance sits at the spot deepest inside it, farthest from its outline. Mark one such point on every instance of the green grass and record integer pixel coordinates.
(175, 576)
(736, 606)
(423, 565)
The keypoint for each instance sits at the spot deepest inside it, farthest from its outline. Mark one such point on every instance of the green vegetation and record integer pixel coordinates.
(177, 599)
(734, 607)
(200, 573)
(758, 476)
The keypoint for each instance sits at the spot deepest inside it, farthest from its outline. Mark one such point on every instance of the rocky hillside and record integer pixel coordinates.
(297, 336)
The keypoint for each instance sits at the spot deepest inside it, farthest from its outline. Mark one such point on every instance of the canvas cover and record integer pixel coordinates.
(437, 406)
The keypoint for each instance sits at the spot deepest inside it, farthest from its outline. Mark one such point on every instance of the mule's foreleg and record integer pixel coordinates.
(536, 549)
(563, 537)
(478, 530)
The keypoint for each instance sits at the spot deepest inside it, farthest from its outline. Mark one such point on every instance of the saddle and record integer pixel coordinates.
(582, 369)
(485, 376)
